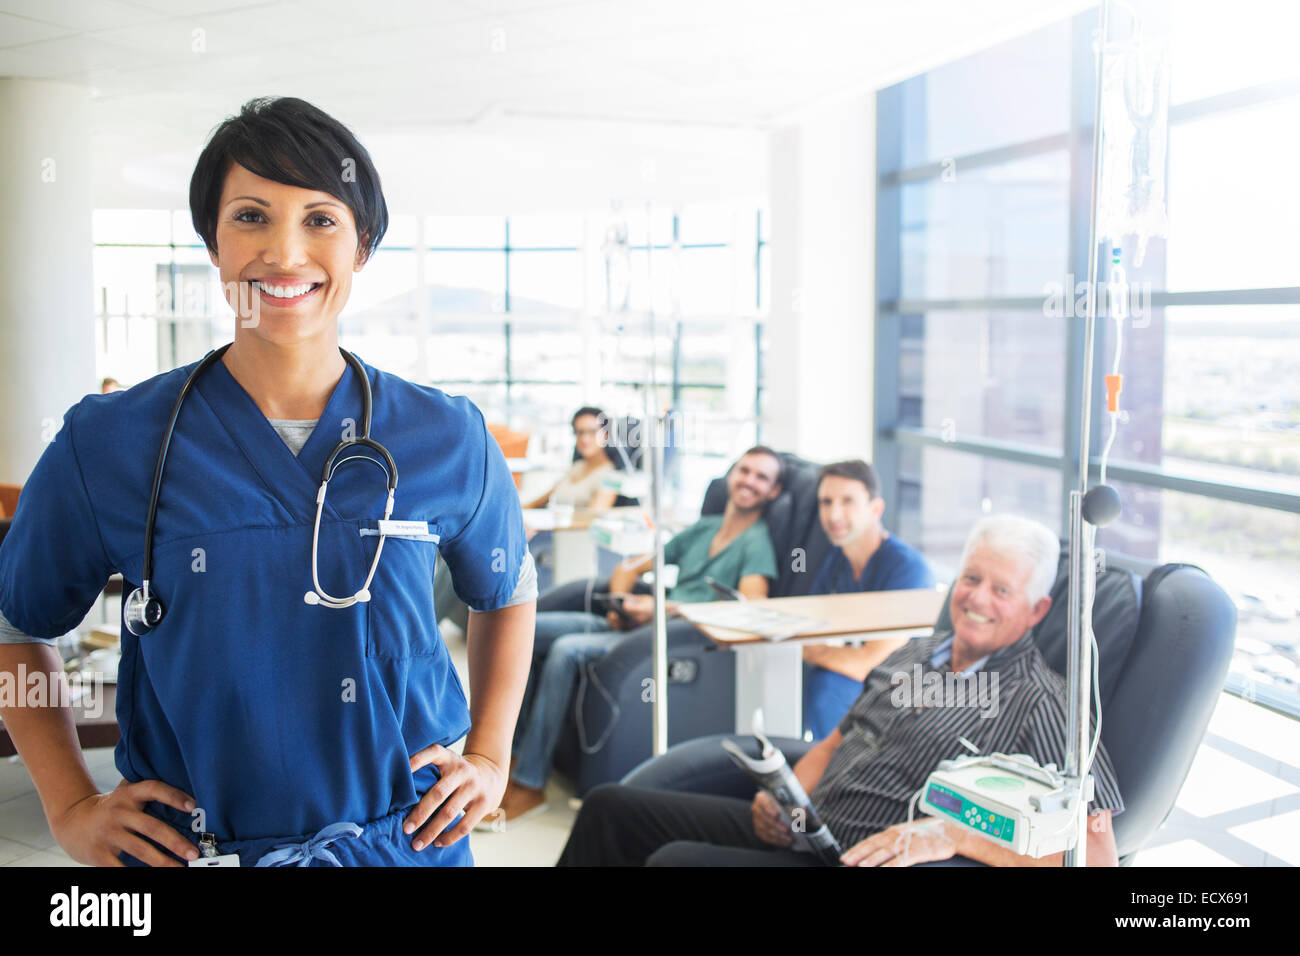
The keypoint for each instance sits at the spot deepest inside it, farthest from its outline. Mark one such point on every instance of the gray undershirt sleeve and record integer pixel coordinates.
(11, 635)
(526, 589)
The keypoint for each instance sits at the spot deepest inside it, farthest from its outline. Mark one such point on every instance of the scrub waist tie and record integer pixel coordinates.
(301, 854)
(378, 842)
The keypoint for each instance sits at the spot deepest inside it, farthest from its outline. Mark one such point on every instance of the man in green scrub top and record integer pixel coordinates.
(733, 548)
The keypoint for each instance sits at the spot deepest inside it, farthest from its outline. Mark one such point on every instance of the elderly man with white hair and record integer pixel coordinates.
(862, 777)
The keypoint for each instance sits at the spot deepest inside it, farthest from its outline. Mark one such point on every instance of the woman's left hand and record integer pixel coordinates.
(472, 783)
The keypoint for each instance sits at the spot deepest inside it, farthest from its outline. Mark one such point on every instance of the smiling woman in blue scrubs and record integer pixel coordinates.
(289, 731)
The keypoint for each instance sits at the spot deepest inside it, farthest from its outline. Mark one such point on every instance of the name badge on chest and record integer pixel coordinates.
(392, 528)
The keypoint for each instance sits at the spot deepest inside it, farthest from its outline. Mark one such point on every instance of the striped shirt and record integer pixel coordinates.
(911, 712)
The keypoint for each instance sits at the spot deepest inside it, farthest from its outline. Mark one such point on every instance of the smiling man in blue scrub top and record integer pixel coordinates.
(863, 557)
(292, 731)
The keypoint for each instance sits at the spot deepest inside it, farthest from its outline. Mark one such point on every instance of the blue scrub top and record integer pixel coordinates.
(278, 716)
(895, 566)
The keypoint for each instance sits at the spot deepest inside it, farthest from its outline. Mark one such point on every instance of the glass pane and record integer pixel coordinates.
(183, 232)
(1205, 62)
(710, 222)
(1211, 392)
(991, 231)
(627, 344)
(126, 349)
(132, 226)
(984, 375)
(706, 350)
(546, 231)
(472, 350)
(546, 412)
(942, 494)
(639, 218)
(401, 232)
(548, 351)
(703, 281)
(689, 479)
(127, 280)
(642, 265)
(1015, 91)
(1231, 228)
(197, 290)
(385, 347)
(461, 232)
(385, 285)
(1253, 554)
(490, 399)
(467, 281)
(706, 424)
(545, 281)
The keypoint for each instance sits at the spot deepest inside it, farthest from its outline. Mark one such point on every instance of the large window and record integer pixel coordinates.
(529, 316)
(983, 203)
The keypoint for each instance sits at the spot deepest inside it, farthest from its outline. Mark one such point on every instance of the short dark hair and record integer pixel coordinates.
(287, 140)
(764, 450)
(588, 410)
(857, 470)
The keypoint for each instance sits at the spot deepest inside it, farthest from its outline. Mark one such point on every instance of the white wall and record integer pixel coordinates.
(819, 364)
(47, 355)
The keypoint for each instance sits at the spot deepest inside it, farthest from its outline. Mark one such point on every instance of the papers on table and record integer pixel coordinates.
(742, 616)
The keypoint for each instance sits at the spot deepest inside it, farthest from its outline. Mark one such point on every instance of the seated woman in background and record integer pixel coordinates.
(581, 485)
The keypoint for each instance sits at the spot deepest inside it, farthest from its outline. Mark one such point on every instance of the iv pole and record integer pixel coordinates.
(653, 432)
(659, 687)
(1083, 533)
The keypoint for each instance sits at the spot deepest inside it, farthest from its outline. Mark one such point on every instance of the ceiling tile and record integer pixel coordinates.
(79, 15)
(17, 30)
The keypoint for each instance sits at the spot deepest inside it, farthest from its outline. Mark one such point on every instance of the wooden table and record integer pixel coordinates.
(92, 731)
(769, 674)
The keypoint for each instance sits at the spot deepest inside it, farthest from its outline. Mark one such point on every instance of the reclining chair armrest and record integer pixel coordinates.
(702, 766)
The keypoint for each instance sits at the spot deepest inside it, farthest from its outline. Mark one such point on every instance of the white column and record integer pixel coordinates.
(47, 349)
(819, 367)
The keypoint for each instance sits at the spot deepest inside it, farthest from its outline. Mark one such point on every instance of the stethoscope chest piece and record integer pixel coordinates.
(141, 612)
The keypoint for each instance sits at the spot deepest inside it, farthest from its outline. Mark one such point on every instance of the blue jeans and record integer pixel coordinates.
(550, 626)
(541, 730)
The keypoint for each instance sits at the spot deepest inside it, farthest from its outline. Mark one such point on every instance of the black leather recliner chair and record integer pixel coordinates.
(609, 727)
(1165, 644)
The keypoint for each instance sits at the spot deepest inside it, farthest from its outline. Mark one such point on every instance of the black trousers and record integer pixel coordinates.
(633, 826)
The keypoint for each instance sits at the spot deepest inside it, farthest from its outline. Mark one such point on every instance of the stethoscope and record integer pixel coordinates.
(143, 611)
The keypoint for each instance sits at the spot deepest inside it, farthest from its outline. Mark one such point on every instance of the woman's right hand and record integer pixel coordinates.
(769, 825)
(98, 827)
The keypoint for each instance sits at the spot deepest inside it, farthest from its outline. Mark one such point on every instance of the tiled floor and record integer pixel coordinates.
(1240, 805)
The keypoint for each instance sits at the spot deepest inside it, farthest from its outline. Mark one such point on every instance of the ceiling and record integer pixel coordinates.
(590, 92)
